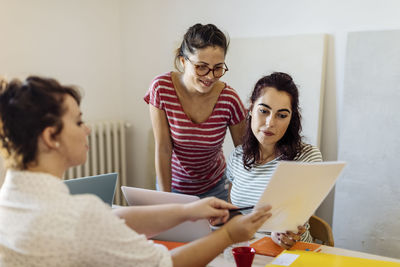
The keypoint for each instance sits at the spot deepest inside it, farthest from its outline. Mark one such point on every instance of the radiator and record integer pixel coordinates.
(107, 154)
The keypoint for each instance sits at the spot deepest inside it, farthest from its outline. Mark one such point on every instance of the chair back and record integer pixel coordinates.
(321, 231)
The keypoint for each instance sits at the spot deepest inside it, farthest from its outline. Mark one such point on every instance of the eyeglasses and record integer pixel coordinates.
(203, 70)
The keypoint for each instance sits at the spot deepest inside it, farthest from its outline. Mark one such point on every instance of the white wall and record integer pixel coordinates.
(77, 42)
(151, 30)
(371, 99)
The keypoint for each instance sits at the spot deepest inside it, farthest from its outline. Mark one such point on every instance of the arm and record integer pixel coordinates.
(151, 220)
(163, 150)
(237, 132)
(238, 229)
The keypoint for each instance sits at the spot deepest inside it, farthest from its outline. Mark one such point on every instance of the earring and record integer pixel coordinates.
(57, 144)
(248, 115)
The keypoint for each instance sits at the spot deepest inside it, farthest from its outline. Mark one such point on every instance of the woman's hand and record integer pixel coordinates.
(211, 208)
(243, 227)
(288, 239)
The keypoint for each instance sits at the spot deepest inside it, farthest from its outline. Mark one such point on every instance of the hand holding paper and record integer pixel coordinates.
(288, 239)
(295, 191)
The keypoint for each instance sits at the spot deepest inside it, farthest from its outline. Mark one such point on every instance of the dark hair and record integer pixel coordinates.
(26, 109)
(290, 144)
(201, 36)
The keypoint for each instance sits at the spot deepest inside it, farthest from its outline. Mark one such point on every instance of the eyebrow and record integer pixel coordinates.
(205, 63)
(279, 110)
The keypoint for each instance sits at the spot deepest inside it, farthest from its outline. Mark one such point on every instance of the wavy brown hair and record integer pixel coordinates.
(26, 109)
(290, 144)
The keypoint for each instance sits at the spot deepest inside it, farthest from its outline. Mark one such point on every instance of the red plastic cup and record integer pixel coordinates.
(244, 256)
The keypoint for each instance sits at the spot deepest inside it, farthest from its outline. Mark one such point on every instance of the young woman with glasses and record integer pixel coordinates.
(191, 110)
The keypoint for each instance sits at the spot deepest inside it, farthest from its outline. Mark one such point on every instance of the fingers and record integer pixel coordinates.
(221, 204)
(301, 227)
(207, 208)
(243, 227)
(219, 213)
(285, 241)
(225, 218)
(263, 208)
(214, 221)
(262, 220)
(295, 236)
(219, 208)
(261, 214)
(302, 230)
(218, 220)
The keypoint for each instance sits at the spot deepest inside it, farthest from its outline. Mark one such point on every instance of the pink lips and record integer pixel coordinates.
(268, 133)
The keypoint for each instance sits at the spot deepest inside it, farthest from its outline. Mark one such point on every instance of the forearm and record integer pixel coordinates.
(163, 168)
(237, 132)
(163, 150)
(238, 229)
(201, 251)
(151, 220)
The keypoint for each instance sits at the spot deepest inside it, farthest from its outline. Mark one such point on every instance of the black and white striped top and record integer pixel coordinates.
(248, 185)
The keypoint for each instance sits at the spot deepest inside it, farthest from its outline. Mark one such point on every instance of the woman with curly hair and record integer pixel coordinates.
(42, 135)
(272, 134)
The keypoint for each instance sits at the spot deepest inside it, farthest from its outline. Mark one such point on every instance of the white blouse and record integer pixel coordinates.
(41, 224)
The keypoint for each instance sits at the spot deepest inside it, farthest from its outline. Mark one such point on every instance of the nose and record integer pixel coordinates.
(270, 121)
(87, 130)
(210, 75)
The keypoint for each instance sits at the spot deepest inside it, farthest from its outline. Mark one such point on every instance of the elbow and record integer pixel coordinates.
(164, 148)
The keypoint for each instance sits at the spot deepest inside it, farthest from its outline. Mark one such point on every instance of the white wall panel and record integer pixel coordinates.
(301, 56)
(367, 211)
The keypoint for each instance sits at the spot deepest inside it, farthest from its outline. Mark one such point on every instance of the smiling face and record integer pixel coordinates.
(73, 137)
(211, 57)
(270, 116)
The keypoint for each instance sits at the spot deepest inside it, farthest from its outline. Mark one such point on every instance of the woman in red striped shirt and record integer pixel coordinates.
(190, 110)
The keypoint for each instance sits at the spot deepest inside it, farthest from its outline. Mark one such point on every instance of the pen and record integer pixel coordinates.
(240, 209)
(234, 212)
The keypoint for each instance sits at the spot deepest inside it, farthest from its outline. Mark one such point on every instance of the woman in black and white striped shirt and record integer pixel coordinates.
(273, 130)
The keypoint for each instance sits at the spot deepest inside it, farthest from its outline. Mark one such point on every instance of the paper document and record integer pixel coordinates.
(295, 191)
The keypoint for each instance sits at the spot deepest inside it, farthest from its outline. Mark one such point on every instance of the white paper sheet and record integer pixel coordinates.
(296, 190)
(285, 259)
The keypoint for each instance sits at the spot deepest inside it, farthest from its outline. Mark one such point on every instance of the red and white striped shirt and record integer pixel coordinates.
(197, 162)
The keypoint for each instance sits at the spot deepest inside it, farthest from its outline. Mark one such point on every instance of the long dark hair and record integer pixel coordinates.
(290, 144)
(26, 109)
(201, 36)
